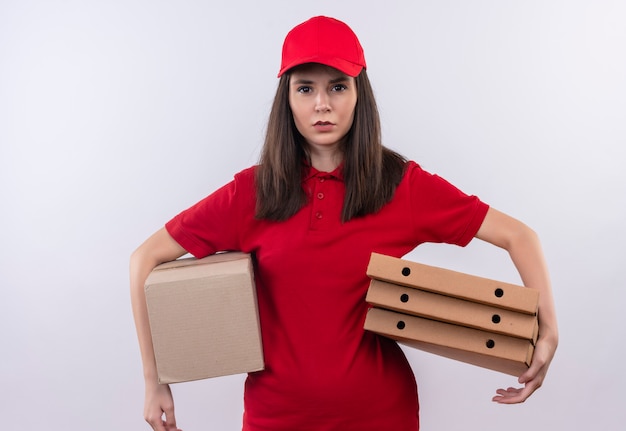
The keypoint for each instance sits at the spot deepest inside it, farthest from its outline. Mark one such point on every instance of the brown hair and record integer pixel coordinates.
(371, 171)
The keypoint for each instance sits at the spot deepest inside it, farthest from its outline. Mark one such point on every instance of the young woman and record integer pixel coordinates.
(326, 194)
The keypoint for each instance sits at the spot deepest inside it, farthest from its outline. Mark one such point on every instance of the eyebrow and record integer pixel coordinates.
(304, 81)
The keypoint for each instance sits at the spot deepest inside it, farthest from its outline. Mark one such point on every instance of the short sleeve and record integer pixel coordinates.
(442, 212)
(214, 223)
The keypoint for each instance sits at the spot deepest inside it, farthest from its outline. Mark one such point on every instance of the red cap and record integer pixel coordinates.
(323, 40)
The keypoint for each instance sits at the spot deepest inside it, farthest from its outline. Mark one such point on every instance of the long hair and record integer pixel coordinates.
(371, 171)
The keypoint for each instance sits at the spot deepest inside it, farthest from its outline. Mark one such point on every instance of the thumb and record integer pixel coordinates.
(527, 376)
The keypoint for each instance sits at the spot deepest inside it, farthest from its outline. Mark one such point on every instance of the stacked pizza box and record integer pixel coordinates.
(471, 319)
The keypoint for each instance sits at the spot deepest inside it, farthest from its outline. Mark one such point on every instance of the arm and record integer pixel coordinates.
(525, 250)
(159, 248)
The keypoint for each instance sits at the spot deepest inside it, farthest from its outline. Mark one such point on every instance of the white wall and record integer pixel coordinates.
(116, 115)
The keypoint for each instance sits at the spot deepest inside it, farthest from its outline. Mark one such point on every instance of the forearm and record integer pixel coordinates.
(525, 250)
(159, 248)
(139, 270)
(527, 255)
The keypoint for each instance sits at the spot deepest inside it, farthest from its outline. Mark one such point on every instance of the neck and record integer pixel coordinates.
(325, 159)
(326, 162)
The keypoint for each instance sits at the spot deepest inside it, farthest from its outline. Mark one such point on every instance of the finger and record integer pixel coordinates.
(509, 391)
(514, 395)
(156, 423)
(170, 420)
(506, 393)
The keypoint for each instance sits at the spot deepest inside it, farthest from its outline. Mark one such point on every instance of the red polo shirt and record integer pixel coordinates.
(323, 371)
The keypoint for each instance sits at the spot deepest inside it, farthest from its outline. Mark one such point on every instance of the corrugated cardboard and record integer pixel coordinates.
(492, 351)
(452, 310)
(452, 283)
(204, 318)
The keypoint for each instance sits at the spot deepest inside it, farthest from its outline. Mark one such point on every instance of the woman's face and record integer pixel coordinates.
(322, 100)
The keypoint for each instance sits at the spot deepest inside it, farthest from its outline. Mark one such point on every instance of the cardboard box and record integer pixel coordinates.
(448, 309)
(481, 348)
(204, 318)
(457, 284)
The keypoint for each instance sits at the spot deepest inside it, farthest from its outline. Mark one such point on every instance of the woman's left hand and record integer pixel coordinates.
(533, 378)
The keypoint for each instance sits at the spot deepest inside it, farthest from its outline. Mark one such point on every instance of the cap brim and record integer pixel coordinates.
(342, 65)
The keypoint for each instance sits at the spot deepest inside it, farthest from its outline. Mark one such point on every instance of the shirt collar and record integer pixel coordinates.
(309, 172)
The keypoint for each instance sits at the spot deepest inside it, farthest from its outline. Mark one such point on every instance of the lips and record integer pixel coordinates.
(324, 126)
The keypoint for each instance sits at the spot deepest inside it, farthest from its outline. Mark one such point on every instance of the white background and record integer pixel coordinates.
(116, 115)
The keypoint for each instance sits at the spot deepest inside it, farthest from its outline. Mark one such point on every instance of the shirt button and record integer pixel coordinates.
(320, 195)
(318, 214)
(322, 180)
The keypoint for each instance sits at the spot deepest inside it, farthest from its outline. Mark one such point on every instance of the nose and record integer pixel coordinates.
(321, 102)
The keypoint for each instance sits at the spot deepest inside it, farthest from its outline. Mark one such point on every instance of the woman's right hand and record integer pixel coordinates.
(159, 408)
(160, 247)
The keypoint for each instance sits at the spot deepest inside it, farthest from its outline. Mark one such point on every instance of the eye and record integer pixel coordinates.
(339, 87)
(304, 89)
